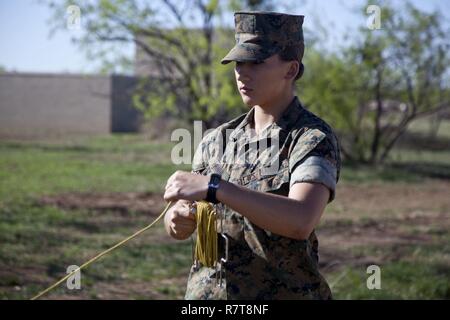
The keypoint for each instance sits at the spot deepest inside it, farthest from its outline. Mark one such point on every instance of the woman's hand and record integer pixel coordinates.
(186, 186)
(180, 220)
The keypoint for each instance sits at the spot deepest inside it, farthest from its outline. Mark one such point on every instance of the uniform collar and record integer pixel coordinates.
(289, 116)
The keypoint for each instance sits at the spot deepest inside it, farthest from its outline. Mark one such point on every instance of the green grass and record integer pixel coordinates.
(39, 241)
(399, 280)
(46, 239)
(112, 164)
(422, 273)
(423, 126)
(407, 271)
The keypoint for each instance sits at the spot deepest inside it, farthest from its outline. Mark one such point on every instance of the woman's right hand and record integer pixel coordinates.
(179, 221)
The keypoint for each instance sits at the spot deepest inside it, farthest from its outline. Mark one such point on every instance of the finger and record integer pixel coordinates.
(190, 211)
(188, 225)
(182, 233)
(184, 217)
(170, 195)
(171, 178)
(183, 214)
(184, 203)
(170, 181)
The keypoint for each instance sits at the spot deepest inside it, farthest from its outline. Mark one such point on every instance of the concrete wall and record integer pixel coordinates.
(53, 104)
(34, 105)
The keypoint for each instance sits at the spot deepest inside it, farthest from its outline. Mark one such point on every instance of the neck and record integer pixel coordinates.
(269, 113)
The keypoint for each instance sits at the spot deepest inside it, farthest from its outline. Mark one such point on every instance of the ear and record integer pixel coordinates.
(294, 67)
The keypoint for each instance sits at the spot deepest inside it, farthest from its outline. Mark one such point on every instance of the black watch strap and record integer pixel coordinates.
(213, 185)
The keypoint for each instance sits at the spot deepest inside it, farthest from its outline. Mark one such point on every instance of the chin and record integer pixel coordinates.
(249, 101)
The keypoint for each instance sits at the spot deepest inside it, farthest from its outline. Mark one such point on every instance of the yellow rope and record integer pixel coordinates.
(103, 253)
(206, 244)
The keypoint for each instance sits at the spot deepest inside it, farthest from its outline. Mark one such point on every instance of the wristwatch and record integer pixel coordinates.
(213, 185)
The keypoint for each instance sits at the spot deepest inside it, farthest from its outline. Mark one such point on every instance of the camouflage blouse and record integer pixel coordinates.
(299, 147)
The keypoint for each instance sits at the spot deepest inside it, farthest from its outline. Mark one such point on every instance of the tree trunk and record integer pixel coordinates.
(377, 121)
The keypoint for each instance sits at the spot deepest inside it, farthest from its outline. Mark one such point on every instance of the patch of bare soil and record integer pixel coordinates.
(14, 280)
(127, 290)
(124, 203)
(393, 199)
(385, 217)
(388, 217)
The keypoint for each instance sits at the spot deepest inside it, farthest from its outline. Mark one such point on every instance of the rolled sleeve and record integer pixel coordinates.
(316, 169)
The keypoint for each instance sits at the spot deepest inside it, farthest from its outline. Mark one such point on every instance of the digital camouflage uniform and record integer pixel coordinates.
(261, 264)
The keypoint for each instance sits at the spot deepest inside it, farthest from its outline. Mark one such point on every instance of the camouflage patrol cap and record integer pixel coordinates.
(260, 35)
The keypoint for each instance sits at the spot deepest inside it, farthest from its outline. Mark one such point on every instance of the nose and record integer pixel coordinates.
(242, 71)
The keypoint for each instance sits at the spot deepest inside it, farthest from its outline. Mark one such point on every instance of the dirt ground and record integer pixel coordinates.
(361, 214)
(124, 203)
(383, 216)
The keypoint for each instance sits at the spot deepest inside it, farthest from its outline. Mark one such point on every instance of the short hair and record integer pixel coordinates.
(294, 52)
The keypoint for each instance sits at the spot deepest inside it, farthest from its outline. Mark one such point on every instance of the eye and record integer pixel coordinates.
(241, 63)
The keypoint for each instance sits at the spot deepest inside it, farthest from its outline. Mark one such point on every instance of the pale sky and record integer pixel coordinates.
(26, 46)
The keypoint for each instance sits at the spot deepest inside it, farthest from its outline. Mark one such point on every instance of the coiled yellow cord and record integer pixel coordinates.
(206, 251)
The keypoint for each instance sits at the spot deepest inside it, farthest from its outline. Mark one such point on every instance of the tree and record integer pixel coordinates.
(382, 82)
(182, 42)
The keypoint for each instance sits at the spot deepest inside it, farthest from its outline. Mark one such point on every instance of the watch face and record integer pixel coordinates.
(215, 179)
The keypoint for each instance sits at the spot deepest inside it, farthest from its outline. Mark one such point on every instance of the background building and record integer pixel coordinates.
(40, 104)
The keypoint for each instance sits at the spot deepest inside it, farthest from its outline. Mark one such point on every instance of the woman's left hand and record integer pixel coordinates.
(186, 186)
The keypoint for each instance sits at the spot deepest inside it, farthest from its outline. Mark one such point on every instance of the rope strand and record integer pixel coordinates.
(206, 248)
(103, 253)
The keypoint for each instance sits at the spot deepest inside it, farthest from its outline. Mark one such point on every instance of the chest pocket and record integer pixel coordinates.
(277, 181)
(268, 180)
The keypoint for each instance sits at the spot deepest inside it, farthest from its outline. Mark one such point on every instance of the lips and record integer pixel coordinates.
(245, 89)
